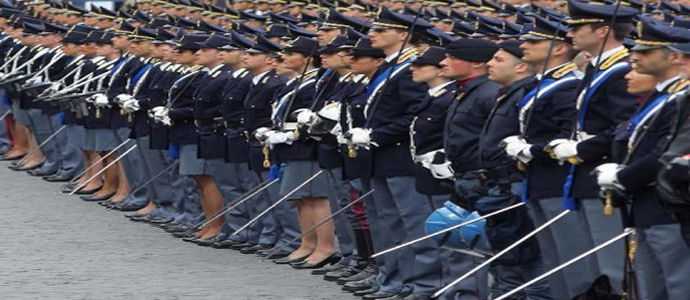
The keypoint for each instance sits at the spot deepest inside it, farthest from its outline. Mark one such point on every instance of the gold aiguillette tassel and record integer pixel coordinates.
(267, 159)
(608, 203)
(351, 151)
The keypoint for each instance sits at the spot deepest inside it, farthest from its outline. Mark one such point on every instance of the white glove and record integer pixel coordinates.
(340, 137)
(306, 117)
(260, 133)
(122, 98)
(280, 137)
(160, 115)
(607, 176)
(131, 105)
(442, 171)
(101, 100)
(53, 88)
(563, 149)
(525, 155)
(361, 136)
(514, 145)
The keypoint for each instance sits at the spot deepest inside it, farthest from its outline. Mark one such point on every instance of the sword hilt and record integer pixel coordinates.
(98, 113)
(267, 156)
(522, 167)
(351, 151)
(608, 203)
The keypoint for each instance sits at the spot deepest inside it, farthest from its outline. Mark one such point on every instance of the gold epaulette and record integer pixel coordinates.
(613, 59)
(310, 74)
(407, 55)
(565, 69)
(678, 86)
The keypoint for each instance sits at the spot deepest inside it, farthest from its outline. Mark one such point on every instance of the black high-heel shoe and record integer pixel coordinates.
(334, 258)
(287, 260)
(88, 192)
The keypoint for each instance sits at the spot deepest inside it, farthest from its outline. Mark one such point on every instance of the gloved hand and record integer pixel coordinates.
(443, 170)
(514, 145)
(101, 100)
(607, 176)
(361, 137)
(53, 88)
(563, 149)
(122, 98)
(160, 115)
(130, 106)
(280, 137)
(260, 134)
(306, 117)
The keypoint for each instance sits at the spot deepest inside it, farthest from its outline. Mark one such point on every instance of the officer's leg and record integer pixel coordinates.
(41, 129)
(283, 218)
(673, 256)
(648, 272)
(423, 271)
(266, 227)
(603, 228)
(133, 169)
(339, 196)
(161, 190)
(72, 161)
(390, 277)
(548, 244)
(570, 238)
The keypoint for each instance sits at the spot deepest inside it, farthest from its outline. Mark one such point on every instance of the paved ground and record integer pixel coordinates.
(55, 246)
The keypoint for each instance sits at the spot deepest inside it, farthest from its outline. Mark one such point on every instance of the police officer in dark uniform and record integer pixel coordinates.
(635, 149)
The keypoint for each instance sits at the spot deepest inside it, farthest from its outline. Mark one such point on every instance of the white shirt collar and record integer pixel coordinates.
(435, 89)
(216, 68)
(661, 86)
(258, 78)
(605, 55)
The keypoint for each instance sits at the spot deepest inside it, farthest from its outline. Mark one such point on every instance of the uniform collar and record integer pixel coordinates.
(605, 55)
(551, 70)
(432, 91)
(258, 78)
(661, 86)
(391, 57)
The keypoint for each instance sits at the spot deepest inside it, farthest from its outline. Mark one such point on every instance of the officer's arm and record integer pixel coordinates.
(411, 94)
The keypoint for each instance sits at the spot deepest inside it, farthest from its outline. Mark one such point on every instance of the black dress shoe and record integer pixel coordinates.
(241, 246)
(139, 218)
(224, 244)
(185, 234)
(178, 228)
(415, 297)
(206, 242)
(94, 198)
(287, 260)
(368, 291)
(40, 172)
(67, 188)
(342, 273)
(58, 178)
(366, 273)
(254, 249)
(334, 267)
(379, 295)
(359, 285)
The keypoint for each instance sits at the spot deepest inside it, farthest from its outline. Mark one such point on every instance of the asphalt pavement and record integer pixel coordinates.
(55, 246)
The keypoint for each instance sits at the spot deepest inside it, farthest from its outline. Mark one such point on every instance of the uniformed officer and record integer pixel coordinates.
(544, 118)
(393, 97)
(601, 104)
(426, 134)
(660, 249)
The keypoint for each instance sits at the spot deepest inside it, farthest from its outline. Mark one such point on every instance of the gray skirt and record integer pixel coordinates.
(104, 139)
(191, 164)
(295, 173)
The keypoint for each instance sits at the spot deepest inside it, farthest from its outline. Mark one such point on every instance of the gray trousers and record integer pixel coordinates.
(160, 190)
(233, 181)
(42, 128)
(4, 131)
(339, 196)
(662, 263)
(572, 235)
(71, 158)
(401, 207)
(134, 167)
